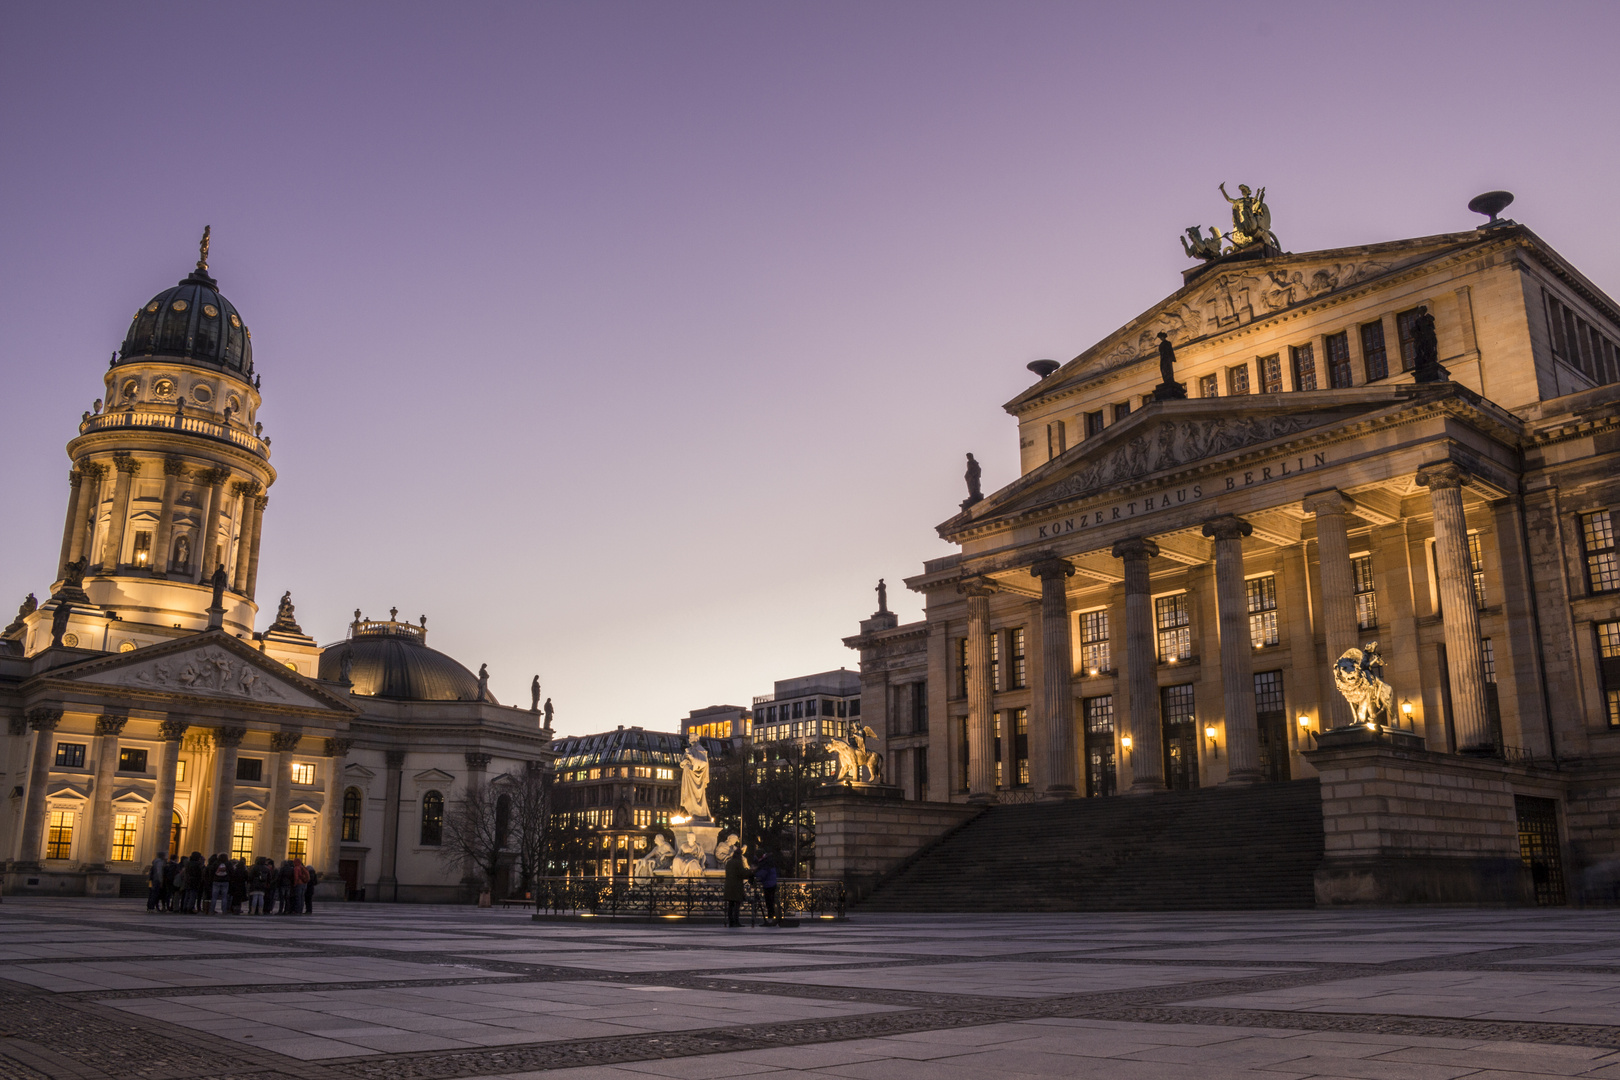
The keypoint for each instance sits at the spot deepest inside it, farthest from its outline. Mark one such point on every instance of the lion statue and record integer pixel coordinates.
(1357, 674)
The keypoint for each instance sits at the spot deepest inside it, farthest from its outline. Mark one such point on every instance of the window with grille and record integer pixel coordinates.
(1172, 616)
(961, 667)
(1602, 568)
(1271, 375)
(1121, 411)
(123, 839)
(303, 772)
(59, 837)
(1373, 357)
(241, 839)
(1100, 715)
(995, 661)
(1097, 714)
(1338, 360)
(1268, 692)
(1405, 324)
(351, 815)
(432, 819)
(1094, 641)
(131, 759)
(1361, 575)
(1180, 737)
(298, 842)
(1020, 743)
(1237, 379)
(1303, 358)
(1209, 386)
(1262, 597)
(1017, 671)
(1094, 423)
(1476, 563)
(1487, 655)
(180, 771)
(70, 755)
(998, 742)
(1608, 646)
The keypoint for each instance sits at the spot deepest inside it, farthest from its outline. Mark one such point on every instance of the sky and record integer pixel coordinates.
(632, 343)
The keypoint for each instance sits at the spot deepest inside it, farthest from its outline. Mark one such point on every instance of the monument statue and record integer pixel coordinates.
(202, 248)
(548, 712)
(284, 609)
(723, 850)
(1358, 675)
(534, 695)
(182, 554)
(346, 667)
(59, 621)
(1168, 388)
(854, 757)
(1251, 219)
(73, 573)
(974, 494)
(1202, 247)
(219, 588)
(25, 609)
(1426, 349)
(695, 781)
(883, 597)
(658, 857)
(483, 682)
(688, 862)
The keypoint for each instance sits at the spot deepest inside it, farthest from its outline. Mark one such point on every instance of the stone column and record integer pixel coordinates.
(226, 742)
(1054, 718)
(1237, 661)
(283, 743)
(337, 751)
(981, 722)
(259, 503)
(390, 838)
(1464, 657)
(113, 553)
(248, 491)
(477, 776)
(89, 500)
(209, 540)
(108, 727)
(1141, 668)
(43, 721)
(1338, 602)
(172, 731)
(173, 470)
(75, 489)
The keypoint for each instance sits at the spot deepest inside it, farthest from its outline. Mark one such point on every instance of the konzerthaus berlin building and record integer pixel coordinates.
(1158, 599)
(143, 710)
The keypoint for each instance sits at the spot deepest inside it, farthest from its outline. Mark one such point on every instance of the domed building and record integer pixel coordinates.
(144, 710)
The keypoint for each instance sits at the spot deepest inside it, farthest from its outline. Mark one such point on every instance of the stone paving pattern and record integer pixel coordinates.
(94, 989)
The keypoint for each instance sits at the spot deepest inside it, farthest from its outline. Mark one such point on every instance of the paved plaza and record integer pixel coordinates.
(368, 992)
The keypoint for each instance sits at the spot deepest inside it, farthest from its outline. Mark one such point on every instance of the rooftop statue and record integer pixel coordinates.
(1202, 247)
(1426, 349)
(883, 597)
(1251, 219)
(483, 682)
(549, 713)
(974, 494)
(1358, 675)
(1168, 388)
(534, 695)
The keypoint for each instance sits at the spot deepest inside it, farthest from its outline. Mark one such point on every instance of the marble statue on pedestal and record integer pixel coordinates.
(695, 782)
(659, 857)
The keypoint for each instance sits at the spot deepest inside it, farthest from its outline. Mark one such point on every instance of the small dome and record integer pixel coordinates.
(191, 322)
(391, 661)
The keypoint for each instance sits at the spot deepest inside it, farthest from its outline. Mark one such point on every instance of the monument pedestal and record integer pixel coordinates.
(707, 835)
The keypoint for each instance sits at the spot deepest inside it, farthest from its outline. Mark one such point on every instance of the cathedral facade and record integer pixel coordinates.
(146, 713)
(1258, 477)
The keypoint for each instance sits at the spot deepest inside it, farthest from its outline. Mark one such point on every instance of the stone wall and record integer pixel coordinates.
(1592, 812)
(862, 835)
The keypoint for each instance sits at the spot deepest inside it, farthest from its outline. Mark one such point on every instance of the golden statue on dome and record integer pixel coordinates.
(202, 249)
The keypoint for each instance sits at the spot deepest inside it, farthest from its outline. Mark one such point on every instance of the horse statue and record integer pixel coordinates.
(853, 757)
(1357, 674)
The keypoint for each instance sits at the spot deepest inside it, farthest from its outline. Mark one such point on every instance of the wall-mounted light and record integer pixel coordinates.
(1304, 721)
(1209, 733)
(1093, 671)
(1406, 713)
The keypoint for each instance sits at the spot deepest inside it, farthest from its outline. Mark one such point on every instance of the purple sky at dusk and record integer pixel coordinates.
(631, 343)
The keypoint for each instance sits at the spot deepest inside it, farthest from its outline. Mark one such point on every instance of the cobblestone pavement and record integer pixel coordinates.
(93, 989)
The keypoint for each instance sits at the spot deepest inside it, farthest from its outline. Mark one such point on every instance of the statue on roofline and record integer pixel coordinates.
(1251, 219)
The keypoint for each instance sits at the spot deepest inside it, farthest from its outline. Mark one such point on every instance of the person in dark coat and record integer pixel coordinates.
(154, 880)
(765, 877)
(239, 881)
(309, 890)
(736, 877)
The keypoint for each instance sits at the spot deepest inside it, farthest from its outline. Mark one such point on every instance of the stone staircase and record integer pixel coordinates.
(1217, 848)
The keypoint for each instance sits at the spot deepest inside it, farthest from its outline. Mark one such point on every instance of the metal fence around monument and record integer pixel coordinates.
(676, 898)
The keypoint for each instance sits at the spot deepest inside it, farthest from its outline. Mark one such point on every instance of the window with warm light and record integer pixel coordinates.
(123, 839)
(59, 835)
(303, 772)
(1261, 593)
(180, 771)
(1608, 646)
(1361, 576)
(1476, 564)
(1172, 615)
(241, 839)
(70, 755)
(298, 842)
(433, 819)
(143, 549)
(351, 815)
(1602, 566)
(1017, 670)
(1094, 657)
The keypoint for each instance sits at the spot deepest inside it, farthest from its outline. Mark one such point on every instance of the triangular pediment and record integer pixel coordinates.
(433, 776)
(131, 797)
(1234, 294)
(304, 806)
(59, 790)
(249, 803)
(357, 772)
(212, 665)
(1170, 437)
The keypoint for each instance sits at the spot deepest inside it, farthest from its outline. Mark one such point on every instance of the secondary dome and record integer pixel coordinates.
(192, 322)
(391, 660)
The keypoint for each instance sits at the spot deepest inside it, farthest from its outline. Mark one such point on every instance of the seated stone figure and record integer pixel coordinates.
(689, 861)
(723, 850)
(657, 858)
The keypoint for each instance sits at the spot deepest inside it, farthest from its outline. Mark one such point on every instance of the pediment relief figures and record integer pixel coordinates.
(209, 671)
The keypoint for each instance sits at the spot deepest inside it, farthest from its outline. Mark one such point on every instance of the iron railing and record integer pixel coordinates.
(682, 898)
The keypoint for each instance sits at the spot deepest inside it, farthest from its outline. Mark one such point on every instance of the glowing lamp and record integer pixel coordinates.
(1125, 741)
(1209, 732)
(1304, 721)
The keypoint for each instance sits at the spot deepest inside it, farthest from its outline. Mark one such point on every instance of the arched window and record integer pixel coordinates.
(503, 821)
(432, 818)
(174, 836)
(351, 815)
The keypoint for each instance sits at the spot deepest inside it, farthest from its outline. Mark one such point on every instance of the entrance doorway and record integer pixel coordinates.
(1180, 737)
(349, 871)
(1538, 847)
(1097, 713)
(1271, 717)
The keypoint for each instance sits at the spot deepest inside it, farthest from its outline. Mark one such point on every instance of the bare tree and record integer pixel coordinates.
(531, 810)
(474, 832)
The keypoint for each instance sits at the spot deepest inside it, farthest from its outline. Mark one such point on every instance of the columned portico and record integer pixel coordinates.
(226, 742)
(283, 743)
(44, 722)
(1237, 665)
(1465, 661)
(1338, 601)
(1056, 761)
(108, 727)
(1141, 667)
(171, 731)
(981, 776)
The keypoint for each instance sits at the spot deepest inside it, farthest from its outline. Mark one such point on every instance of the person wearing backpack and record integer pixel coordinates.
(300, 878)
(309, 890)
(766, 878)
(154, 881)
(220, 875)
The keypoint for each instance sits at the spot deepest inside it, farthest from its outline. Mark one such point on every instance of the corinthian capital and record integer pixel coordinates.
(1135, 547)
(282, 741)
(1441, 475)
(1227, 527)
(94, 470)
(126, 464)
(110, 724)
(44, 719)
(173, 730)
(477, 760)
(229, 737)
(1050, 566)
(976, 587)
(338, 748)
(173, 466)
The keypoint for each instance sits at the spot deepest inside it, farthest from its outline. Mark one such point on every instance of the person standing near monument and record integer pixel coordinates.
(736, 877)
(765, 876)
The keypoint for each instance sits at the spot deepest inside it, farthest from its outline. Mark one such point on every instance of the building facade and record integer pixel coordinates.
(1157, 600)
(144, 712)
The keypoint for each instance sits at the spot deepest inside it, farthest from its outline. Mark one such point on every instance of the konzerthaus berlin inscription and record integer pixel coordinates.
(1412, 443)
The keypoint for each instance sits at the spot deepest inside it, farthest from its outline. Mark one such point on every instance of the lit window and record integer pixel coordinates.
(666, 774)
(1487, 655)
(143, 549)
(1608, 642)
(131, 759)
(123, 840)
(961, 667)
(1017, 673)
(298, 842)
(180, 770)
(1476, 563)
(1173, 618)
(995, 661)
(1262, 598)
(1094, 655)
(1361, 574)
(59, 839)
(1271, 380)
(70, 755)
(1020, 733)
(1602, 568)
(303, 772)
(241, 839)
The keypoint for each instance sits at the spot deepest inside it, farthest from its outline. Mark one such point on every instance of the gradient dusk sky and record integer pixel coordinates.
(633, 342)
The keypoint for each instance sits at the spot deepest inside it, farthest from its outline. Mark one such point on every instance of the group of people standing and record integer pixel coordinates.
(737, 876)
(222, 885)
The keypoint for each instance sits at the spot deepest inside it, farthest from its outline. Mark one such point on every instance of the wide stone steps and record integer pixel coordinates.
(1218, 848)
